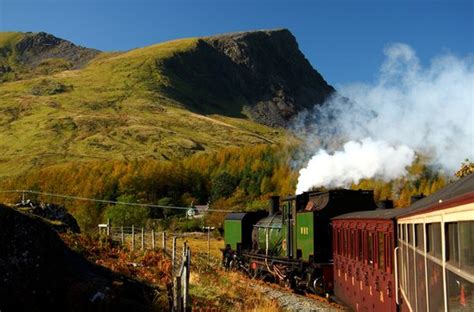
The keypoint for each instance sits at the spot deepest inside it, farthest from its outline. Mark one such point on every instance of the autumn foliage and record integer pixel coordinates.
(234, 178)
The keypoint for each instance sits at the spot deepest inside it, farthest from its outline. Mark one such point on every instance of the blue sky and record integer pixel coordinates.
(344, 40)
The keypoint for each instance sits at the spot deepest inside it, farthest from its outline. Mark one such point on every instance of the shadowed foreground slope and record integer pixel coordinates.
(40, 273)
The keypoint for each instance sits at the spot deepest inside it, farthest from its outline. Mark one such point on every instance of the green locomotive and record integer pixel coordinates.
(291, 243)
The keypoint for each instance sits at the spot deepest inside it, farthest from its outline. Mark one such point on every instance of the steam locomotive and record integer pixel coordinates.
(374, 258)
(292, 242)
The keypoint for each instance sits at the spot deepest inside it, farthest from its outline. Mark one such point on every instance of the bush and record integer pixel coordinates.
(189, 225)
(223, 185)
(49, 87)
(126, 215)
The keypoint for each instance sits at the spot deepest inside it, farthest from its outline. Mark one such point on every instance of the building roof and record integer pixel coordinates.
(235, 216)
(452, 191)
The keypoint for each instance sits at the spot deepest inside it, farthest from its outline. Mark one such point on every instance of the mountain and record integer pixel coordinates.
(26, 54)
(61, 102)
(261, 74)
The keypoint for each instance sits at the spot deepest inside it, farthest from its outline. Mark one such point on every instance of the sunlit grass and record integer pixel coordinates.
(114, 108)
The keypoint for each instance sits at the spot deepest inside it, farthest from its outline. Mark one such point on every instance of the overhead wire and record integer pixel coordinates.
(105, 201)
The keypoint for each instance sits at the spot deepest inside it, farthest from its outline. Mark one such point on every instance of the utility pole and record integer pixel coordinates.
(143, 239)
(109, 225)
(133, 237)
(152, 239)
(209, 229)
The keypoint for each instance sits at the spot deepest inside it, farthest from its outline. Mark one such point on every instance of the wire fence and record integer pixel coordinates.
(174, 246)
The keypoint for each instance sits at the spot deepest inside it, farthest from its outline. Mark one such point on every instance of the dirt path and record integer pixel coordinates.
(296, 303)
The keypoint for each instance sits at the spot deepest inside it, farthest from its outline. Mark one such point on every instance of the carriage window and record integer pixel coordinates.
(345, 243)
(405, 233)
(459, 242)
(410, 234)
(400, 232)
(419, 236)
(433, 239)
(370, 248)
(466, 241)
(388, 251)
(341, 239)
(351, 243)
(381, 251)
(354, 243)
(359, 242)
(452, 243)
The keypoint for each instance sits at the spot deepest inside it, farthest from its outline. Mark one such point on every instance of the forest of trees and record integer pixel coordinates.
(235, 178)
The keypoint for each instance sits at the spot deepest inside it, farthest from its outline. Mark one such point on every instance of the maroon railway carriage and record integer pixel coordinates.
(433, 241)
(363, 245)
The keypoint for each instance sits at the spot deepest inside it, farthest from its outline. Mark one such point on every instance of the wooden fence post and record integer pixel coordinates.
(164, 241)
(143, 238)
(122, 236)
(177, 293)
(187, 266)
(184, 286)
(152, 239)
(133, 237)
(209, 245)
(109, 224)
(173, 254)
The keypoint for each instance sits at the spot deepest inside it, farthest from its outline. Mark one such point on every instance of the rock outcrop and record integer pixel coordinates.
(26, 55)
(62, 220)
(34, 48)
(261, 74)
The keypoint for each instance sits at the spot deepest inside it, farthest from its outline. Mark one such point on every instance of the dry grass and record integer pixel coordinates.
(212, 288)
(199, 244)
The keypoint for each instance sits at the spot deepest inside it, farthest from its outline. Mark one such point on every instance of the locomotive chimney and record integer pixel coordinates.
(274, 204)
(385, 204)
(416, 198)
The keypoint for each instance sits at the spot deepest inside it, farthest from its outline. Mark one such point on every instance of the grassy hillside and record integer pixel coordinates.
(8, 60)
(113, 108)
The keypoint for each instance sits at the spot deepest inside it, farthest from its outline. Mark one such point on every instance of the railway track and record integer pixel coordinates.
(292, 302)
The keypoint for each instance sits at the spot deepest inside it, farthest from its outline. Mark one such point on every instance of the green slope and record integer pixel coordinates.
(113, 108)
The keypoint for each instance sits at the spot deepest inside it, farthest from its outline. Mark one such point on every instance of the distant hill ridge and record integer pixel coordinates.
(23, 52)
(260, 74)
(60, 101)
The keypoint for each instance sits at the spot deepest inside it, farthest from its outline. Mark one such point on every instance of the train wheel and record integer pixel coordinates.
(254, 271)
(287, 283)
(319, 286)
(232, 265)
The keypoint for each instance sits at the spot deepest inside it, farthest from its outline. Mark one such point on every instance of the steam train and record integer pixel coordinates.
(292, 242)
(372, 257)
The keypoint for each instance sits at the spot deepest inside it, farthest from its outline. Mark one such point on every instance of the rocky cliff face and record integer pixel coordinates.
(260, 74)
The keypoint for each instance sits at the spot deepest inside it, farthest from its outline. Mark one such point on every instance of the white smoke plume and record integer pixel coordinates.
(357, 160)
(409, 108)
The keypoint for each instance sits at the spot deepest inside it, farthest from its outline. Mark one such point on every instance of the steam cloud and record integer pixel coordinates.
(409, 108)
(357, 160)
